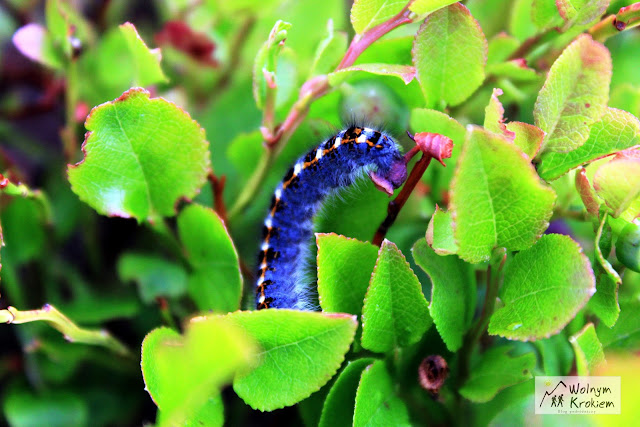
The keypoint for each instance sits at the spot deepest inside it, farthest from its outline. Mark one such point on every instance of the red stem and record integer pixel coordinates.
(361, 42)
(394, 207)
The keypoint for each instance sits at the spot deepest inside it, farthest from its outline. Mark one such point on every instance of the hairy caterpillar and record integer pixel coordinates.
(288, 226)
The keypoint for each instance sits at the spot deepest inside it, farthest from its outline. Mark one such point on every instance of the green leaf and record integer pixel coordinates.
(628, 247)
(554, 269)
(515, 69)
(520, 22)
(625, 334)
(267, 62)
(544, 14)
(453, 293)
(494, 116)
(626, 97)
(155, 276)
(329, 51)
(440, 233)
(425, 7)
(101, 74)
(616, 131)
(366, 14)
(141, 156)
(301, 351)
(58, 27)
(574, 96)
(376, 401)
(447, 74)
(145, 62)
(580, 12)
(557, 355)
(528, 137)
(618, 183)
(23, 230)
(211, 413)
(395, 312)
(604, 302)
(495, 371)
(182, 373)
(404, 72)
(339, 405)
(589, 354)
(156, 384)
(60, 408)
(500, 48)
(344, 270)
(216, 283)
(497, 199)
(343, 213)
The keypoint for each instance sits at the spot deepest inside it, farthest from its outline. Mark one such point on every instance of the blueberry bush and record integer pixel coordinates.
(140, 143)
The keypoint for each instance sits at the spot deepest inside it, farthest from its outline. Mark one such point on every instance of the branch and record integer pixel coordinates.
(235, 49)
(361, 42)
(217, 187)
(494, 270)
(626, 18)
(432, 145)
(62, 323)
(532, 42)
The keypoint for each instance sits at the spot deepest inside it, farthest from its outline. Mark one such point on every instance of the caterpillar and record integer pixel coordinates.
(287, 229)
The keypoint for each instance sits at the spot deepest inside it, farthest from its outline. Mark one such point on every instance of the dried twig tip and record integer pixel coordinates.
(435, 145)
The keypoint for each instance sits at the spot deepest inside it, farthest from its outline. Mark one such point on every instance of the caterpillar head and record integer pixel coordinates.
(392, 178)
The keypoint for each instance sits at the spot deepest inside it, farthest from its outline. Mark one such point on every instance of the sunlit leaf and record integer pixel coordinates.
(589, 354)
(604, 302)
(497, 198)
(448, 74)
(181, 373)
(554, 269)
(395, 312)
(618, 183)
(580, 12)
(617, 130)
(440, 233)
(574, 96)
(339, 405)
(145, 61)
(494, 119)
(216, 283)
(625, 334)
(141, 156)
(376, 401)
(344, 270)
(453, 294)
(366, 14)
(301, 351)
(329, 51)
(528, 137)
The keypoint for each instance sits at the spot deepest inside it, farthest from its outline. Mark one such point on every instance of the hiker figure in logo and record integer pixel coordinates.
(560, 400)
(554, 402)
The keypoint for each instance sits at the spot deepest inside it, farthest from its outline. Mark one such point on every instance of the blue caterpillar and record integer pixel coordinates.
(336, 163)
